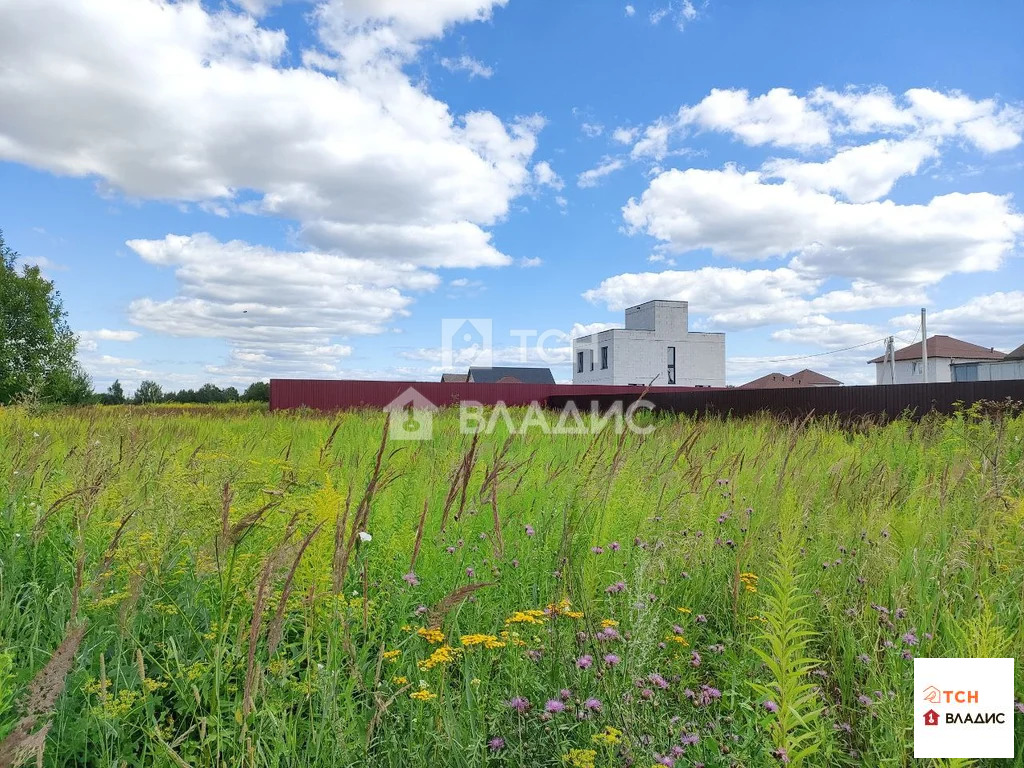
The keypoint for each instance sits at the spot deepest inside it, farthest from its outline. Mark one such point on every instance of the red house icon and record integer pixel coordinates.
(931, 717)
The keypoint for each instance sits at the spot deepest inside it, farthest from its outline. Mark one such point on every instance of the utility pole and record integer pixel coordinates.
(924, 345)
(890, 355)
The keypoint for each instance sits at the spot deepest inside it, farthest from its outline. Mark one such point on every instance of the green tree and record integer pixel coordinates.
(37, 348)
(114, 394)
(257, 391)
(148, 392)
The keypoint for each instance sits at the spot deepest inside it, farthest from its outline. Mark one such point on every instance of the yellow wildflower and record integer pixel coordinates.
(563, 608)
(422, 695)
(391, 655)
(677, 639)
(487, 641)
(444, 654)
(153, 685)
(475, 681)
(580, 758)
(608, 737)
(609, 623)
(432, 635)
(684, 610)
(399, 680)
(532, 616)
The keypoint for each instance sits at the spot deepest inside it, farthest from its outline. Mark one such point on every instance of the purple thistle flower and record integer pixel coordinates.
(615, 546)
(618, 586)
(519, 703)
(909, 638)
(647, 693)
(592, 704)
(529, 530)
(700, 618)
(515, 562)
(470, 572)
(677, 630)
(717, 648)
(689, 739)
(411, 579)
(420, 610)
(554, 706)
(664, 760)
(608, 633)
(658, 680)
(584, 662)
(864, 659)
(781, 755)
(496, 744)
(565, 694)
(533, 654)
(611, 659)
(695, 659)
(597, 550)
(771, 706)
(865, 700)
(907, 655)
(450, 550)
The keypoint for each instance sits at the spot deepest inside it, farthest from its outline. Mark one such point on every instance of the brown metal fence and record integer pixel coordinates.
(330, 395)
(889, 400)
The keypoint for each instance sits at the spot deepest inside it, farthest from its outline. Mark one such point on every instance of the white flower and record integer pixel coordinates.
(364, 536)
(35, 434)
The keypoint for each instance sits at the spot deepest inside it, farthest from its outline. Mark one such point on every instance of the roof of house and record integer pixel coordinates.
(945, 346)
(455, 378)
(511, 375)
(804, 378)
(1017, 354)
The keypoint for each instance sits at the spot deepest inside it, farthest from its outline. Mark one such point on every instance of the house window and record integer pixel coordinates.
(579, 362)
(671, 365)
(916, 368)
(590, 355)
(604, 358)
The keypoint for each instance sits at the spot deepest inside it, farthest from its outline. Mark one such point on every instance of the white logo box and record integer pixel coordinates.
(973, 699)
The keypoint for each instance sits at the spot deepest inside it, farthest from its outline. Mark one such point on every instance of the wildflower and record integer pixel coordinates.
(865, 700)
(717, 648)
(611, 659)
(399, 680)
(443, 654)
(678, 640)
(608, 633)
(677, 630)
(554, 706)
(608, 736)
(864, 659)
(469, 573)
(845, 727)
(422, 695)
(706, 696)
(909, 638)
(594, 705)
(615, 546)
(580, 758)
(489, 642)
(695, 659)
(647, 693)
(684, 610)
(658, 680)
(420, 610)
(532, 616)
(365, 537)
(700, 618)
(450, 550)
(519, 703)
(533, 655)
(411, 579)
(391, 655)
(781, 755)
(771, 706)
(529, 530)
(618, 586)
(565, 694)
(475, 681)
(515, 562)
(584, 662)
(907, 655)
(432, 635)
(689, 739)
(496, 744)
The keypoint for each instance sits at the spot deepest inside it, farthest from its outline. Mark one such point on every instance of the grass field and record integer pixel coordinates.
(227, 587)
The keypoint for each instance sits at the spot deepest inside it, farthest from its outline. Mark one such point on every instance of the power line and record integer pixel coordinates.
(819, 354)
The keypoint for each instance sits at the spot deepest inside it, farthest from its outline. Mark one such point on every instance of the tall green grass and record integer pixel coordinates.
(664, 592)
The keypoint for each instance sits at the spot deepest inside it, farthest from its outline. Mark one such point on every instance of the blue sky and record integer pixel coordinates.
(231, 191)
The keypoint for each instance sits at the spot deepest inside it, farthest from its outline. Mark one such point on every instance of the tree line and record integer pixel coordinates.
(151, 392)
(38, 351)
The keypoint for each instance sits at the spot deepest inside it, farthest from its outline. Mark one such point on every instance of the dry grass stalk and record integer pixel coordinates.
(277, 623)
(419, 537)
(326, 447)
(338, 561)
(40, 700)
(452, 599)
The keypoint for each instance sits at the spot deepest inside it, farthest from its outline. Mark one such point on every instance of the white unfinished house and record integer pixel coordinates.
(655, 347)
